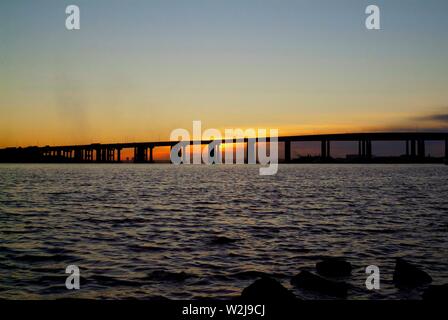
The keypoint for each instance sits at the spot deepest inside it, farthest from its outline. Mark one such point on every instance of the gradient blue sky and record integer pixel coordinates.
(138, 69)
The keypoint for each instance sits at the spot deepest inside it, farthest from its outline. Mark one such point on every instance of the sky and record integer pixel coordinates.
(138, 69)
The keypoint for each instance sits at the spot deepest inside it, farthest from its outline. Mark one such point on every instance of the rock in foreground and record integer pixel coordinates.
(334, 267)
(309, 281)
(267, 290)
(221, 240)
(409, 275)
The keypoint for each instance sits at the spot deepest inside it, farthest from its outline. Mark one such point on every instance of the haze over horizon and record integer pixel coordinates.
(136, 71)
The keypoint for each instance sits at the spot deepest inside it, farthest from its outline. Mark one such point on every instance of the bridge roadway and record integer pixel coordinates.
(144, 151)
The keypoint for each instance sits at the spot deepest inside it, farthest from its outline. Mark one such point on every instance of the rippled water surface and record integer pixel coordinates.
(151, 231)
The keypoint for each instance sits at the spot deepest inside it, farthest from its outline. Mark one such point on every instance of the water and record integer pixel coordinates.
(152, 231)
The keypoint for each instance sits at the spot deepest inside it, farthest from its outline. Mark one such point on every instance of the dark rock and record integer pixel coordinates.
(409, 275)
(436, 292)
(309, 281)
(334, 267)
(220, 240)
(267, 290)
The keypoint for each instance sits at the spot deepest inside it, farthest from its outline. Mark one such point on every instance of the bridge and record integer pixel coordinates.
(144, 151)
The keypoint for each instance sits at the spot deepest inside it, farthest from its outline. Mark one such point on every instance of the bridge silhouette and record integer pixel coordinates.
(144, 151)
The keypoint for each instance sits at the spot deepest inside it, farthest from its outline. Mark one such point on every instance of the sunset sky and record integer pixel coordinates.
(138, 69)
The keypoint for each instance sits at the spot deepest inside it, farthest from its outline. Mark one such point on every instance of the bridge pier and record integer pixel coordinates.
(369, 149)
(251, 158)
(78, 155)
(287, 151)
(421, 149)
(151, 155)
(413, 148)
(365, 149)
(325, 152)
(446, 151)
(139, 154)
(359, 149)
(323, 149)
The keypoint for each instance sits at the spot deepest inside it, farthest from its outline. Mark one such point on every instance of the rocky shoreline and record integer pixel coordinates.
(327, 281)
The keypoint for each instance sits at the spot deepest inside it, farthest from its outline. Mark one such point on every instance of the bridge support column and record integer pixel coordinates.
(323, 149)
(446, 151)
(250, 158)
(287, 151)
(407, 148)
(369, 149)
(363, 149)
(359, 149)
(421, 149)
(151, 156)
(328, 149)
(139, 154)
(412, 148)
(78, 155)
